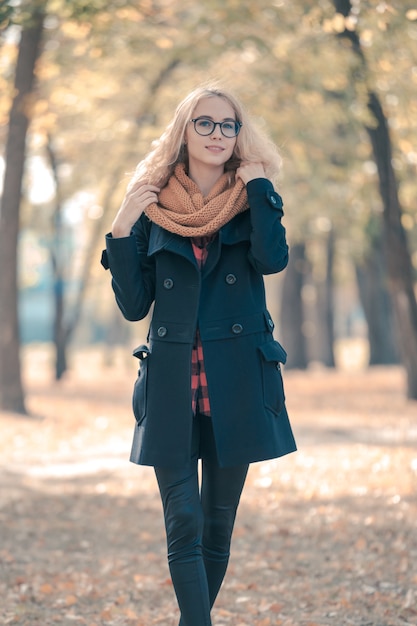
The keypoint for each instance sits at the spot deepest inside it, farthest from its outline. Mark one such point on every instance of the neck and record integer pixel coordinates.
(205, 178)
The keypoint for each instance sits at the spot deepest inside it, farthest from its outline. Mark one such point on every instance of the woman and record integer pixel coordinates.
(199, 226)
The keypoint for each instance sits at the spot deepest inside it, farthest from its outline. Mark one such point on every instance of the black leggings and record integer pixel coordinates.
(199, 524)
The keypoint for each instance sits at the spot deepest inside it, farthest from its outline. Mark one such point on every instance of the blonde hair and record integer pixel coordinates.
(252, 145)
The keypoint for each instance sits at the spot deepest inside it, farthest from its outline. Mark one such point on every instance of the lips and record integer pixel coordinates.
(216, 149)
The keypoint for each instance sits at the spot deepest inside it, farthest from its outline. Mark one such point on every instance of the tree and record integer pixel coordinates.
(67, 318)
(11, 389)
(371, 276)
(292, 309)
(325, 301)
(98, 68)
(399, 265)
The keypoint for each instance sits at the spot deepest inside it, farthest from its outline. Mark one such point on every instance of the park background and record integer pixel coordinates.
(326, 536)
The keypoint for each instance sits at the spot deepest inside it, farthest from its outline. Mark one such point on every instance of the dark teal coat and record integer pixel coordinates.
(226, 301)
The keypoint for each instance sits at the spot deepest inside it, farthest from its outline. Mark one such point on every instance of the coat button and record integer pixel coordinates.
(231, 279)
(237, 328)
(274, 199)
(162, 331)
(168, 283)
(271, 323)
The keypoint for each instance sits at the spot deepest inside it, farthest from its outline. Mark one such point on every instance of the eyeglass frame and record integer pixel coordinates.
(238, 126)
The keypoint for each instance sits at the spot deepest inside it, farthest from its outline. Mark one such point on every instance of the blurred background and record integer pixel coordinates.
(85, 87)
(325, 536)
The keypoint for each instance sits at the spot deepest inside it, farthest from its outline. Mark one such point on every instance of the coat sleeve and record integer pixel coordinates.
(133, 272)
(269, 250)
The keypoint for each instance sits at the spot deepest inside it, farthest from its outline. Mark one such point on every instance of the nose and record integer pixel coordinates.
(217, 133)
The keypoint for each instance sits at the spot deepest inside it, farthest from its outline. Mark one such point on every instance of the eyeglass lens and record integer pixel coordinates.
(204, 126)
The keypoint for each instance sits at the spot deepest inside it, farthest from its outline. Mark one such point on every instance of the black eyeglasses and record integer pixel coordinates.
(205, 126)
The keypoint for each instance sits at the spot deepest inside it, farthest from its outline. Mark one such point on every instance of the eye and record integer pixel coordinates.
(229, 125)
(204, 123)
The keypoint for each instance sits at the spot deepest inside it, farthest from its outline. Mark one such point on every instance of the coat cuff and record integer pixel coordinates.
(261, 189)
(118, 249)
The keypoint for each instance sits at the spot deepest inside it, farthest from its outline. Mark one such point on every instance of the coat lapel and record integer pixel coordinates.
(235, 231)
(161, 239)
(238, 229)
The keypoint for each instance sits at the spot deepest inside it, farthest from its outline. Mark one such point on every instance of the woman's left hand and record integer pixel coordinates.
(249, 171)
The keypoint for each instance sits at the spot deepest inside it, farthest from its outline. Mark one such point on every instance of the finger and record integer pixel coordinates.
(141, 187)
(143, 193)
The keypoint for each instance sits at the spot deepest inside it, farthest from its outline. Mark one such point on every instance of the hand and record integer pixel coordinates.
(136, 200)
(248, 171)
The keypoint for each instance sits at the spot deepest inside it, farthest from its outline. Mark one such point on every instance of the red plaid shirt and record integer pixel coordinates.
(199, 389)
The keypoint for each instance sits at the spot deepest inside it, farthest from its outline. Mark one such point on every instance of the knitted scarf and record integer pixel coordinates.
(181, 208)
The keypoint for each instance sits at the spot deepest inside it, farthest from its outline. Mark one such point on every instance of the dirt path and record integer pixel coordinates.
(327, 535)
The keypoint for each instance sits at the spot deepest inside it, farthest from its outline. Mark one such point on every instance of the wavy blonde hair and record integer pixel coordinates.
(252, 144)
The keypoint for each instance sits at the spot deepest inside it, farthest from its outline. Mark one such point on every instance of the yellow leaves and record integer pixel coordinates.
(310, 99)
(75, 30)
(40, 107)
(360, 543)
(61, 96)
(282, 46)
(130, 14)
(335, 82)
(338, 24)
(117, 609)
(8, 54)
(266, 621)
(106, 615)
(224, 612)
(47, 70)
(70, 600)
(367, 37)
(406, 145)
(95, 53)
(385, 65)
(80, 49)
(411, 15)
(46, 589)
(407, 221)
(164, 43)
(329, 560)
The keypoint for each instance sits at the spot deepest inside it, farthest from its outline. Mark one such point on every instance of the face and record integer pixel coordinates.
(215, 149)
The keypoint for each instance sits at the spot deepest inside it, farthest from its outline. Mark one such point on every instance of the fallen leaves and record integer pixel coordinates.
(324, 536)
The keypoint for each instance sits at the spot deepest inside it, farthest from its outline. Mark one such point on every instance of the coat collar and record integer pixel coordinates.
(161, 239)
(235, 231)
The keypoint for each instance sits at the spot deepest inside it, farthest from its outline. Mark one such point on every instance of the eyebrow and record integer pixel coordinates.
(225, 119)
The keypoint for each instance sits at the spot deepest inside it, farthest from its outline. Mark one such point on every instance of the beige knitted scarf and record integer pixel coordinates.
(181, 208)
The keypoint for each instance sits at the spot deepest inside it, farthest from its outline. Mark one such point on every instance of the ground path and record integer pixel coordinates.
(327, 535)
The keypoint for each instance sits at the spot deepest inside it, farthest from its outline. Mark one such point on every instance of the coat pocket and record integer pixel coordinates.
(273, 354)
(140, 387)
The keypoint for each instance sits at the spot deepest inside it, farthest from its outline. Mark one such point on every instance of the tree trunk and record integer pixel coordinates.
(292, 313)
(325, 303)
(11, 388)
(60, 339)
(58, 271)
(399, 265)
(377, 307)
